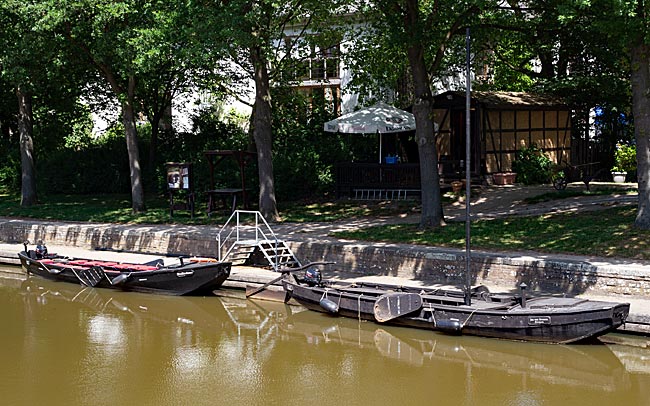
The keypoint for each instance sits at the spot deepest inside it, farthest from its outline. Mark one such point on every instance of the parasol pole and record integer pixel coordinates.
(468, 85)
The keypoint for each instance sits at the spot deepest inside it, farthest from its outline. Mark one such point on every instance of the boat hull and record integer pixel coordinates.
(550, 320)
(188, 279)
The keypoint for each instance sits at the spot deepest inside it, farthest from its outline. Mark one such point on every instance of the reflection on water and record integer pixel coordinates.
(64, 344)
(591, 366)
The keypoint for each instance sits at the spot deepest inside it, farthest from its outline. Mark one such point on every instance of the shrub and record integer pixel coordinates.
(624, 158)
(10, 175)
(532, 165)
(100, 168)
(303, 155)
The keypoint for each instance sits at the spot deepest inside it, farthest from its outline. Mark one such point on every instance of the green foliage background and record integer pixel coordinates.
(304, 155)
(70, 160)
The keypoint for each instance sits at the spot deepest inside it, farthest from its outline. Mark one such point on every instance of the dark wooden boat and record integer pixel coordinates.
(541, 319)
(198, 276)
(472, 311)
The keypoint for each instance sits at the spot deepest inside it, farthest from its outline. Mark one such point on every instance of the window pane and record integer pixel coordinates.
(332, 67)
(317, 69)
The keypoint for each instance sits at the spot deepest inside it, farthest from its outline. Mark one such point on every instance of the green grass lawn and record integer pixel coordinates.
(608, 233)
(117, 209)
(102, 208)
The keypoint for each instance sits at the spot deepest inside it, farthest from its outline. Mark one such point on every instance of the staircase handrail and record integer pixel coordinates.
(238, 226)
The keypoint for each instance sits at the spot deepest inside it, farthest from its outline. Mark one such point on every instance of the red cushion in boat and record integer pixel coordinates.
(80, 263)
(134, 267)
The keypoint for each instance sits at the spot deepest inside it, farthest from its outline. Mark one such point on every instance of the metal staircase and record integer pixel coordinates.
(247, 239)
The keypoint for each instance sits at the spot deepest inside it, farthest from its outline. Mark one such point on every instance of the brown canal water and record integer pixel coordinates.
(62, 344)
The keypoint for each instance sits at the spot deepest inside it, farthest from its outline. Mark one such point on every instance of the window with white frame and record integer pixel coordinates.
(320, 66)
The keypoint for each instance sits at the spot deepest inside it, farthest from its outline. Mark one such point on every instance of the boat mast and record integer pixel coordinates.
(468, 85)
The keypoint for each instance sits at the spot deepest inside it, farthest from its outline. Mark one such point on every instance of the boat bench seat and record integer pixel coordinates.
(497, 297)
(440, 299)
(362, 290)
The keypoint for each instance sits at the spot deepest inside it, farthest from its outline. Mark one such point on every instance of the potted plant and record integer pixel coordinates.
(504, 178)
(624, 162)
(618, 174)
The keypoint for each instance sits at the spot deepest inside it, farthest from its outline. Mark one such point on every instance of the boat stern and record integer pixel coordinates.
(26, 262)
(620, 313)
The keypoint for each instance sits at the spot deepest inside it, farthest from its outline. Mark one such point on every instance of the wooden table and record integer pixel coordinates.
(225, 195)
(241, 157)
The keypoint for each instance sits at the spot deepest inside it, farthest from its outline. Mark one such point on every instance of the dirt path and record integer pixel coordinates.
(503, 201)
(490, 202)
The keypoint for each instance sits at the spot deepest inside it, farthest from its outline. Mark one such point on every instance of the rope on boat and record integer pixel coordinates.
(467, 319)
(435, 324)
(324, 296)
(359, 306)
(330, 305)
(45, 266)
(77, 275)
(64, 268)
(433, 314)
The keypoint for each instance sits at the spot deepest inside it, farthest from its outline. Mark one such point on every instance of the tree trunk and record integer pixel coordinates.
(128, 119)
(432, 215)
(25, 129)
(262, 132)
(641, 110)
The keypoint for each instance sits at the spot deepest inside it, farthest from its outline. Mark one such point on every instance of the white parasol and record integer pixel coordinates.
(380, 118)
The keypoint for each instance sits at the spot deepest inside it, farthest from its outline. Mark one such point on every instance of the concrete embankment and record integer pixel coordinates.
(624, 281)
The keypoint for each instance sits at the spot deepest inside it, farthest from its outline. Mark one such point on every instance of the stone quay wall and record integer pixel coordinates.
(551, 274)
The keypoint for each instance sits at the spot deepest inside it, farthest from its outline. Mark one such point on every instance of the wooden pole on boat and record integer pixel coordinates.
(283, 273)
(468, 157)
